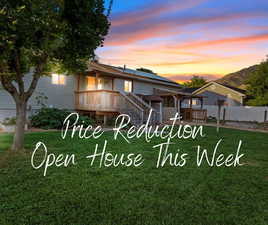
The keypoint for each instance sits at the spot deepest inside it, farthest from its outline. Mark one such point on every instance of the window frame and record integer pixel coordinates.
(131, 86)
(58, 79)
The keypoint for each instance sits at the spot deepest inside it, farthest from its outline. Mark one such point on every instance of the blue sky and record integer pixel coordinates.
(179, 38)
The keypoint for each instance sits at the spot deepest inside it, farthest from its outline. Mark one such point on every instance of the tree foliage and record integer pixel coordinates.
(257, 86)
(46, 35)
(145, 70)
(195, 82)
(65, 32)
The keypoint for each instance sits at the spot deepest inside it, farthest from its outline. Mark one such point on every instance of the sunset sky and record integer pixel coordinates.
(179, 38)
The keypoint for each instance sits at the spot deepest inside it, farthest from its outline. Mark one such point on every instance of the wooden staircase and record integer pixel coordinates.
(138, 109)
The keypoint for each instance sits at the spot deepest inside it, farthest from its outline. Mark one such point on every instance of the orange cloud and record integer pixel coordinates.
(117, 39)
(199, 61)
(166, 27)
(250, 38)
(186, 77)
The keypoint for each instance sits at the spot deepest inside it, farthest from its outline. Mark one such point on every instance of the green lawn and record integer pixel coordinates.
(85, 194)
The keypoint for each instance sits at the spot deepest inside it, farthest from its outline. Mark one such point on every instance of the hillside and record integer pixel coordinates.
(237, 79)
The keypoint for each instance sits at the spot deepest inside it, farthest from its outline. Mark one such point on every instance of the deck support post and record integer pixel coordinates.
(161, 112)
(105, 119)
(179, 108)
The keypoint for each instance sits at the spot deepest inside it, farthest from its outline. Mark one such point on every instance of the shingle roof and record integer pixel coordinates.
(130, 72)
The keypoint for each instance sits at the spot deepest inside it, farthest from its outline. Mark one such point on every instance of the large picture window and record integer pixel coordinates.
(101, 83)
(91, 83)
(128, 86)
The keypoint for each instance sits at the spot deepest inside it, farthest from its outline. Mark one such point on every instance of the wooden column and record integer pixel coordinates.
(179, 107)
(96, 82)
(175, 101)
(105, 119)
(161, 112)
(78, 83)
(191, 102)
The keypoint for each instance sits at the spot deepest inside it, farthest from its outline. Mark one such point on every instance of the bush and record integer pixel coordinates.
(9, 121)
(52, 118)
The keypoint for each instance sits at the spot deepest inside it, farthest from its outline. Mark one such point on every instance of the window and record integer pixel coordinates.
(58, 79)
(91, 83)
(128, 86)
(105, 83)
(101, 83)
(195, 102)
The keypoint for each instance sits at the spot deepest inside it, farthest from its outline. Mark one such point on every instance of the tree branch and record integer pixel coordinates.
(36, 76)
(19, 79)
(33, 85)
(9, 87)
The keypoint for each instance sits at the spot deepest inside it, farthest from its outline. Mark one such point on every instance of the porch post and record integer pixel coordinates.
(78, 82)
(191, 102)
(179, 107)
(105, 119)
(201, 103)
(175, 101)
(161, 112)
(96, 81)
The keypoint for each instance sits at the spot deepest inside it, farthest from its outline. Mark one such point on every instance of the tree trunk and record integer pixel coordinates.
(21, 111)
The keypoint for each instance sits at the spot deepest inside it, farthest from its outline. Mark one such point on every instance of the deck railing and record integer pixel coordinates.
(195, 115)
(98, 100)
(108, 101)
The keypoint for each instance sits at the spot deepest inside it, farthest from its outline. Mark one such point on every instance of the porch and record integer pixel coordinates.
(98, 94)
(105, 102)
(183, 103)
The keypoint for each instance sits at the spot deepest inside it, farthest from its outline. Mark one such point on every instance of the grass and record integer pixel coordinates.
(85, 194)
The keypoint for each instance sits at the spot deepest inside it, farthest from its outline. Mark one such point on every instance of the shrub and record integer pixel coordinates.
(52, 118)
(9, 121)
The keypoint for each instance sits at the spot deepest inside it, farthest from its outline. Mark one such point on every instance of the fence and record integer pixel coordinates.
(239, 113)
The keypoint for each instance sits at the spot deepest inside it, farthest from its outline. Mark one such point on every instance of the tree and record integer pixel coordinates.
(195, 82)
(44, 36)
(257, 85)
(145, 70)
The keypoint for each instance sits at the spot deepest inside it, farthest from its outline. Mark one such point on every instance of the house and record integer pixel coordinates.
(214, 91)
(105, 90)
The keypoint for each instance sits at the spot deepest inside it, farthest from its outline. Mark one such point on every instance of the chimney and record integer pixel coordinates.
(124, 68)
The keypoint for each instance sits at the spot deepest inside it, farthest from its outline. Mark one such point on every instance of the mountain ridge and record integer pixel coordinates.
(238, 79)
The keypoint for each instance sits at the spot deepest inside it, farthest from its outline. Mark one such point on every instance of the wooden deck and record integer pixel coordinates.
(98, 100)
(107, 101)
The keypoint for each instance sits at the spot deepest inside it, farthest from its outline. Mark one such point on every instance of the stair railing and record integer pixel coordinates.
(130, 107)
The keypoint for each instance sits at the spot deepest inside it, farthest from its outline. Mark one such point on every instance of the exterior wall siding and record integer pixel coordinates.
(215, 92)
(148, 88)
(59, 96)
(211, 98)
(140, 87)
(62, 96)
